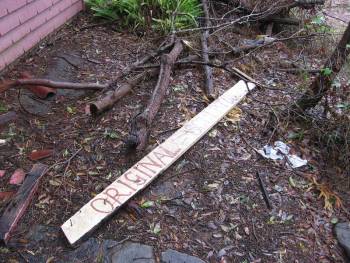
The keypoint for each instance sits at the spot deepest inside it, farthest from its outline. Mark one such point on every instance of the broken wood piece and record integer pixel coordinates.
(105, 204)
(112, 97)
(208, 71)
(16, 208)
(140, 125)
(42, 92)
(7, 117)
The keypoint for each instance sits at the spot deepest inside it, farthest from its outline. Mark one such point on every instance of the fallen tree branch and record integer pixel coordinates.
(141, 123)
(50, 83)
(208, 72)
(111, 97)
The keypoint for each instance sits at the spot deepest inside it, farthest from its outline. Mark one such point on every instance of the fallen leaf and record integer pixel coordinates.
(291, 182)
(4, 196)
(234, 115)
(246, 231)
(17, 177)
(157, 229)
(147, 204)
(213, 133)
(55, 182)
(4, 250)
(40, 154)
(334, 220)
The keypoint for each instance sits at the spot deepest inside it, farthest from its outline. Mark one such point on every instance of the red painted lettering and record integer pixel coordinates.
(146, 165)
(129, 186)
(103, 205)
(114, 194)
(167, 153)
(137, 179)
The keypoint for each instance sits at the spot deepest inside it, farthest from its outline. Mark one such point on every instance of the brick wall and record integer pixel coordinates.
(23, 23)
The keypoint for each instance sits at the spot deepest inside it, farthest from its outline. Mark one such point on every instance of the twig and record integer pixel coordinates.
(70, 159)
(263, 190)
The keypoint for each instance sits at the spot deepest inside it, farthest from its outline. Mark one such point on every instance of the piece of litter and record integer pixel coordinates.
(270, 153)
(282, 147)
(296, 161)
(2, 142)
(279, 152)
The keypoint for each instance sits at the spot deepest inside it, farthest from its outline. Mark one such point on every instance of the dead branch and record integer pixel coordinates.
(140, 125)
(112, 97)
(323, 82)
(138, 63)
(208, 72)
(50, 83)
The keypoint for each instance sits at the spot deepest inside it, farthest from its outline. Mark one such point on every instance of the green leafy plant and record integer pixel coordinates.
(160, 15)
(3, 108)
(326, 72)
(318, 24)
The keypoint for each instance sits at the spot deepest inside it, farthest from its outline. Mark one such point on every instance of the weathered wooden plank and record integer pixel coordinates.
(147, 169)
(20, 202)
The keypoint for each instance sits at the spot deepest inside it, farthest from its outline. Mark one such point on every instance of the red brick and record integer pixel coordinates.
(8, 23)
(12, 5)
(13, 36)
(11, 54)
(3, 11)
(42, 5)
(42, 29)
(19, 32)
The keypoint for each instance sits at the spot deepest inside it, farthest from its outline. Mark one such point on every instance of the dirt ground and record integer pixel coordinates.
(208, 203)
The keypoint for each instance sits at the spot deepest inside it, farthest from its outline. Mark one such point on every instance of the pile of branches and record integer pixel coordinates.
(169, 56)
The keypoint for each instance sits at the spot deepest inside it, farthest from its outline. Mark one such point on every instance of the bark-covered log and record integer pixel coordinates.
(322, 83)
(140, 125)
(112, 97)
(208, 72)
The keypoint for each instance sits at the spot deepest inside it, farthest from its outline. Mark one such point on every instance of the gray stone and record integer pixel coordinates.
(39, 233)
(132, 253)
(92, 250)
(342, 231)
(172, 256)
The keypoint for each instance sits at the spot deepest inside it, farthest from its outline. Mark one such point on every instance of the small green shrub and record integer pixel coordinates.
(160, 15)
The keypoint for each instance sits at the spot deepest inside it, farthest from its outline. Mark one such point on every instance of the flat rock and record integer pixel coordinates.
(92, 250)
(172, 256)
(342, 231)
(132, 252)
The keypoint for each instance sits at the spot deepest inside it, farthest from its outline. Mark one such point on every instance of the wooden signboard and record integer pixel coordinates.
(147, 169)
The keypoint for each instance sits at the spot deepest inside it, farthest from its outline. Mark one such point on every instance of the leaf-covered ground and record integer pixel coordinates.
(208, 203)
